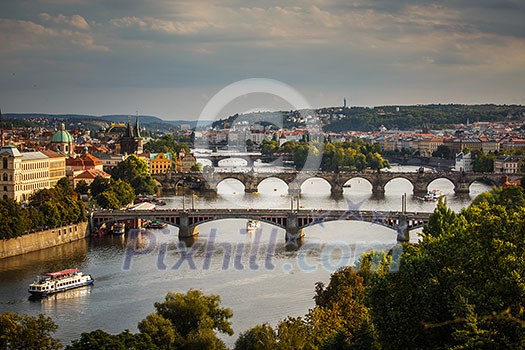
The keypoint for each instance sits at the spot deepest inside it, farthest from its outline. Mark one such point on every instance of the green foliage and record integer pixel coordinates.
(194, 310)
(483, 162)
(99, 185)
(167, 144)
(27, 332)
(260, 337)
(443, 151)
(196, 167)
(47, 208)
(462, 287)
(135, 171)
(414, 117)
(101, 340)
(82, 187)
(355, 155)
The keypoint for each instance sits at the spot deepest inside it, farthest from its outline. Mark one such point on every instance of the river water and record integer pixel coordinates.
(255, 274)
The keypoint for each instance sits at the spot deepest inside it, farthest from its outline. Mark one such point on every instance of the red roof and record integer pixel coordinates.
(62, 273)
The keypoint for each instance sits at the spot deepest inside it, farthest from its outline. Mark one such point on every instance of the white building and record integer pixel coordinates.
(464, 162)
(23, 173)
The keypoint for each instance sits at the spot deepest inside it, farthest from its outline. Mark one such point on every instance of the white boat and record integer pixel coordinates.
(59, 281)
(252, 225)
(433, 195)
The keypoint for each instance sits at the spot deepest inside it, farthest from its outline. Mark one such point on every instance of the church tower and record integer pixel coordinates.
(131, 142)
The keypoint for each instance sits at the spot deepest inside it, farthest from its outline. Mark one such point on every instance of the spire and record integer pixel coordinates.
(137, 127)
(1, 130)
(129, 129)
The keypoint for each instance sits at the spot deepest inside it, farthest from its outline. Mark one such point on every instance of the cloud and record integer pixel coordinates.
(159, 25)
(75, 21)
(21, 35)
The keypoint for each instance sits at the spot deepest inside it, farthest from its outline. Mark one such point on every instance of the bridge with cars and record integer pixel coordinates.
(292, 221)
(208, 181)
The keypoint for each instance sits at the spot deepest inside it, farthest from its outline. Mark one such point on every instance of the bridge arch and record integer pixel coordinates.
(443, 183)
(393, 184)
(278, 186)
(358, 183)
(231, 185)
(484, 180)
(324, 185)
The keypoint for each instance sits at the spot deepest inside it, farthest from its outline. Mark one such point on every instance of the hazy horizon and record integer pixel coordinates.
(168, 59)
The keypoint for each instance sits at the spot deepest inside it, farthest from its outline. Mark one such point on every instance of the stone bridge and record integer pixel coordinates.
(294, 179)
(293, 221)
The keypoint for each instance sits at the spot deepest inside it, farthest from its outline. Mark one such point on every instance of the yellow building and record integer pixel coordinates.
(57, 166)
(21, 174)
(427, 146)
(159, 163)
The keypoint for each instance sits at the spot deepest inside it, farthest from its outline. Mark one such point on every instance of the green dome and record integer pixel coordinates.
(62, 136)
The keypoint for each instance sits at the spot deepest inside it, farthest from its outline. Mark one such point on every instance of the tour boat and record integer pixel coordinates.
(59, 281)
(118, 229)
(155, 225)
(433, 196)
(252, 225)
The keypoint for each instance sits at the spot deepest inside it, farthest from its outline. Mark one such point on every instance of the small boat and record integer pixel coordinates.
(118, 229)
(155, 225)
(433, 196)
(252, 225)
(59, 281)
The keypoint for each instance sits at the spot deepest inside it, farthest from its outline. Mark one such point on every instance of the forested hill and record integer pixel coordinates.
(414, 117)
(338, 119)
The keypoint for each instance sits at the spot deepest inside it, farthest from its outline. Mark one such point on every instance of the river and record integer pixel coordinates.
(255, 275)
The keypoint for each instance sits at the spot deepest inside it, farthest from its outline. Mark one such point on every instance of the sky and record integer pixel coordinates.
(170, 58)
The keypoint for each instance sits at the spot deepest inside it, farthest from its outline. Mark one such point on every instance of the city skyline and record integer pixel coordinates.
(169, 59)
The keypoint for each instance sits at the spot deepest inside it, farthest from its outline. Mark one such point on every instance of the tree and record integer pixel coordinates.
(135, 171)
(442, 151)
(99, 185)
(82, 187)
(27, 332)
(196, 167)
(101, 340)
(260, 337)
(161, 331)
(193, 317)
(193, 310)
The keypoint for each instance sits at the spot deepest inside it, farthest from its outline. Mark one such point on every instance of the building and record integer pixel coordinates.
(427, 146)
(464, 162)
(57, 166)
(508, 164)
(159, 163)
(76, 169)
(184, 162)
(22, 173)
(131, 142)
(62, 141)
(89, 175)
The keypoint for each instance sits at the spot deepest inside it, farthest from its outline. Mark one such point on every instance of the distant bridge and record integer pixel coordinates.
(208, 182)
(293, 221)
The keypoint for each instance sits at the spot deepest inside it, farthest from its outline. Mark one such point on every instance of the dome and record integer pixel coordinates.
(62, 136)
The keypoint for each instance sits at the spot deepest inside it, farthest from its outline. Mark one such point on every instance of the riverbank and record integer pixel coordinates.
(43, 239)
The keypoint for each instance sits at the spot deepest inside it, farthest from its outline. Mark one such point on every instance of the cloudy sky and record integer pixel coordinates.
(169, 58)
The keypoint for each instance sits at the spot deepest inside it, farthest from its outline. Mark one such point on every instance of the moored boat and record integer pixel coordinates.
(252, 225)
(59, 281)
(118, 229)
(155, 225)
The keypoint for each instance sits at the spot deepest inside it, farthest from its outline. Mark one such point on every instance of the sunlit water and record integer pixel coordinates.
(256, 276)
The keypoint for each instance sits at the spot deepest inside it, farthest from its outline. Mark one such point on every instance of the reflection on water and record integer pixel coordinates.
(256, 275)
